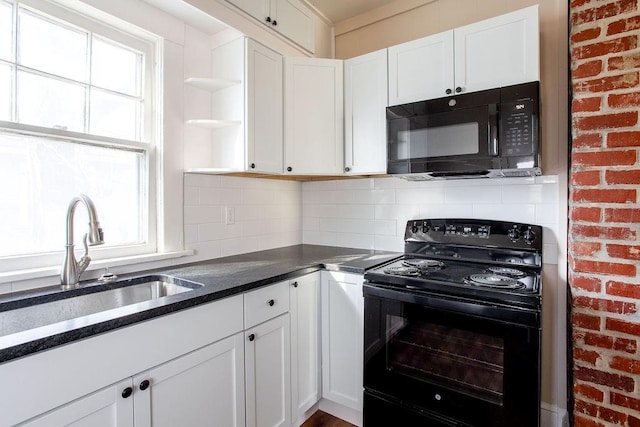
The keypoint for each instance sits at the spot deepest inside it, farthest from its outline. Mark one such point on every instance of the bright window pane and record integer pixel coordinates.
(113, 115)
(115, 68)
(6, 30)
(52, 103)
(5, 92)
(49, 47)
(38, 179)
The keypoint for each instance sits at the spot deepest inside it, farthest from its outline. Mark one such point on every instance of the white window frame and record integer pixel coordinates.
(150, 45)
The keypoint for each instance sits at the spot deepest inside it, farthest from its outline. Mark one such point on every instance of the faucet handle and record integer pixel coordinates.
(85, 260)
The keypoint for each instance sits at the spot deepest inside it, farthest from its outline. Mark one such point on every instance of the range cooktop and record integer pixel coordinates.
(483, 260)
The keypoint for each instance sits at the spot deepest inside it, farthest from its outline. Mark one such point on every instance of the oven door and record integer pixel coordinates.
(455, 362)
(434, 137)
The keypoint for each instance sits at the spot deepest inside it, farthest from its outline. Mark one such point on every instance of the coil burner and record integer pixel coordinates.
(402, 270)
(424, 265)
(506, 271)
(494, 281)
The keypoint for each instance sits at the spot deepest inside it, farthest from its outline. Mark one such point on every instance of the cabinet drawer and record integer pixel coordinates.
(265, 303)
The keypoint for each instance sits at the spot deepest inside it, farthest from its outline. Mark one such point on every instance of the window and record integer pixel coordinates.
(76, 108)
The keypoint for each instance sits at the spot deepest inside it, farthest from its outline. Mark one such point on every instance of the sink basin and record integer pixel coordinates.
(88, 300)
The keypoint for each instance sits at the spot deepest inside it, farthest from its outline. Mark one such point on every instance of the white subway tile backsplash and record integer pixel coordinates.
(404, 212)
(219, 196)
(218, 231)
(473, 194)
(374, 216)
(339, 211)
(441, 210)
(346, 225)
(506, 212)
(360, 213)
(191, 196)
(268, 214)
(359, 184)
(196, 180)
(389, 243)
(547, 213)
(385, 227)
(419, 196)
(202, 214)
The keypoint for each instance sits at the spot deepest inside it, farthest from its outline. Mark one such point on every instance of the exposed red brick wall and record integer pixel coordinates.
(604, 211)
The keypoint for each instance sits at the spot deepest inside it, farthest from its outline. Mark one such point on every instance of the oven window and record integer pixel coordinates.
(468, 362)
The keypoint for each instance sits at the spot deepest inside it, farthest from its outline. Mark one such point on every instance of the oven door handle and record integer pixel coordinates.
(513, 315)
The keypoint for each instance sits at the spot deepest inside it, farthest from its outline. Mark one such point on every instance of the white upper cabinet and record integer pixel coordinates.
(500, 51)
(246, 129)
(264, 109)
(313, 116)
(496, 52)
(291, 18)
(365, 101)
(421, 69)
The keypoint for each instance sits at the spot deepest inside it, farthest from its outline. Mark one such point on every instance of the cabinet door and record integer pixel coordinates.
(259, 9)
(500, 51)
(205, 387)
(313, 116)
(104, 408)
(294, 21)
(305, 344)
(342, 338)
(421, 69)
(365, 91)
(264, 109)
(267, 372)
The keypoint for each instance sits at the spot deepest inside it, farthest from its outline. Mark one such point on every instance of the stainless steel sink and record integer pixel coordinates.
(86, 301)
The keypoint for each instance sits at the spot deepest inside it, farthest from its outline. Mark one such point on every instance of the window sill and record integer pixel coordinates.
(46, 272)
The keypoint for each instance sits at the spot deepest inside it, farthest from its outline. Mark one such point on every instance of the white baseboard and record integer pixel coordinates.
(337, 410)
(552, 416)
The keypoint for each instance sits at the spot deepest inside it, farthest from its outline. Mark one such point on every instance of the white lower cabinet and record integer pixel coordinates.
(305, 345)
(104, 408)
(267, 368)
(342, 338)
(185, 368)
(206, 367)
(205, 387)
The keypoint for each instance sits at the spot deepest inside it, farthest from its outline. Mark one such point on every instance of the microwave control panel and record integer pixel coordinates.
(517, 133)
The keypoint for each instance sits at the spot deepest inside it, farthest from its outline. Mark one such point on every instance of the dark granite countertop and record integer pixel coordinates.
(220, 277)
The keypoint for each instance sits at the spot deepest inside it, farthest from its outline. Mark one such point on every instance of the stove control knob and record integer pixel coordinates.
(514, 234)
(529, 236)
(425, 227)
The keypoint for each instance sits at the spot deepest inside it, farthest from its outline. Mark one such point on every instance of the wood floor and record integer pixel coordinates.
(322, 419)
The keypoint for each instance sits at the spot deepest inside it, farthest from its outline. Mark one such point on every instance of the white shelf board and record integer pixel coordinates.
(213, 124)
(211, 84)
(212, 171)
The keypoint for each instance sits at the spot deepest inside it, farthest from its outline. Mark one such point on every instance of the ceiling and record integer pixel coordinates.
(339, 10)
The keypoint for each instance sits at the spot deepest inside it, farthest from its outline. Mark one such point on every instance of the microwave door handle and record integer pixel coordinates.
(493, 132)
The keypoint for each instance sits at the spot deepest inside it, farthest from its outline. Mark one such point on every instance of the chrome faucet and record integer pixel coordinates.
(72, 269)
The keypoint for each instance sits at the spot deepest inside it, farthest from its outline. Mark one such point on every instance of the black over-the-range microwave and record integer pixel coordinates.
(492, 133)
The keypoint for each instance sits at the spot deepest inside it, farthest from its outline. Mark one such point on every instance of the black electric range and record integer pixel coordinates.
(453, 328)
